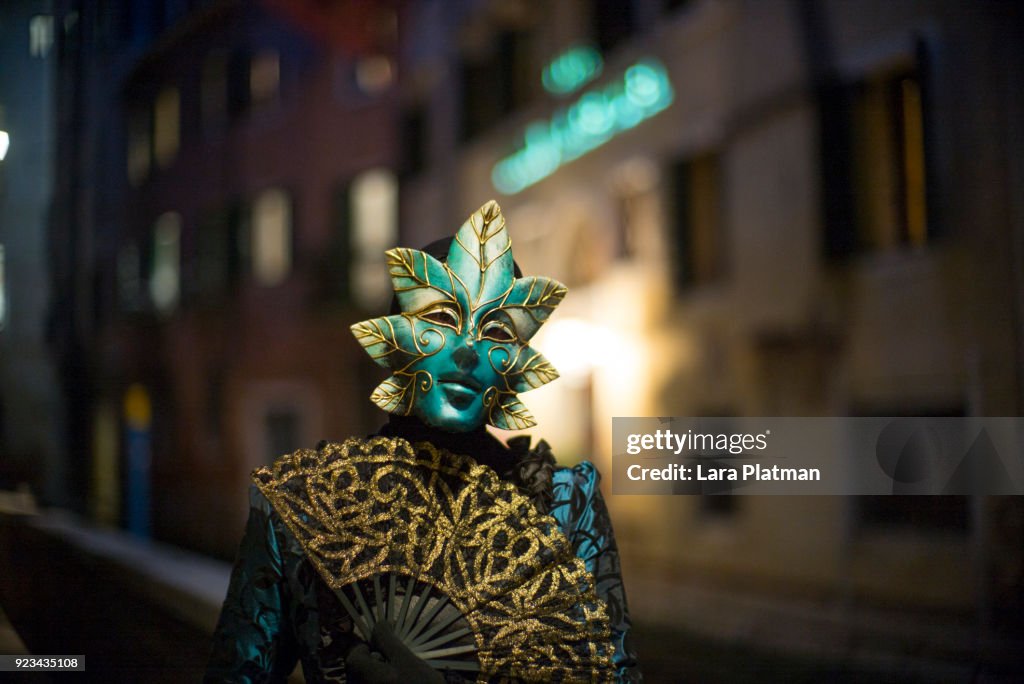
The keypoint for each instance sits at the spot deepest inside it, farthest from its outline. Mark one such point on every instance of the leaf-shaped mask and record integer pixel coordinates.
(459, 349)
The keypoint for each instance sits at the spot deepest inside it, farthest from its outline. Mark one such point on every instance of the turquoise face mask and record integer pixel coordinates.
(458, 350)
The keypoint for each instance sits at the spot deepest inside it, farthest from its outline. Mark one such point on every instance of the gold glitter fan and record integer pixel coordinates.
(470, 575)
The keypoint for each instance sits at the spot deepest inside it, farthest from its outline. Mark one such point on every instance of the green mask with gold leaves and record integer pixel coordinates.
(459, 350)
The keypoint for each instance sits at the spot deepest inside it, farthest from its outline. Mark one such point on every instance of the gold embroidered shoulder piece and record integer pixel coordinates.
(471, 575)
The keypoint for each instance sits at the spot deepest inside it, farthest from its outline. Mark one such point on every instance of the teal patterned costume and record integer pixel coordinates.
(459, 355)
(278, 611)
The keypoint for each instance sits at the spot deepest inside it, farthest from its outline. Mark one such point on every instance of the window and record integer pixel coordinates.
(875, 163)
(415, 137)
(281, 432)
(374, 74)
(219, 256)
(478, 112)
(334, 263)
(889, 162)
(213, 91)
(165, 278)
(633, 189)
(373, 199)
(277, 416)
(497, 80)
(717, 500)
(166, 126)
(923, 513)
(103, 284)
(239, 85)
(264, 77)
(3, 290)
(40, 35)
(139, 143)
(948, 514)
(105, 490)
(271, 237)
(157, 17)
(696, 213)
(717, 506)
(212, 255)
(125, 22)
(215, 384)
(5, 141)
(129, 282)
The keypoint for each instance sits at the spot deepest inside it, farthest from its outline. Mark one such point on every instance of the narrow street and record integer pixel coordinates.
(65, 600)
(143, 612)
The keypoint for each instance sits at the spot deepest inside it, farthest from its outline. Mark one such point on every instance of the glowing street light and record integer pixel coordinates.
(5, 142)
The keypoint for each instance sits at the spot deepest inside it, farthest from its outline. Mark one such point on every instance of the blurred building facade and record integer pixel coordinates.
(824, 220)
(233, 158)
(30, 447)
(759, 207)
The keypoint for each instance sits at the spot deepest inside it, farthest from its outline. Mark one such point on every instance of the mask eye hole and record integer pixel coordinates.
(498, 332)
(442, 315)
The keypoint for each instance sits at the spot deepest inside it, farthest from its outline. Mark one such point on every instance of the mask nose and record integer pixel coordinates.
(465, 358)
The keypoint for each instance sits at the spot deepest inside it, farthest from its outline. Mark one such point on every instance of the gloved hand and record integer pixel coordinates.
(400, 666)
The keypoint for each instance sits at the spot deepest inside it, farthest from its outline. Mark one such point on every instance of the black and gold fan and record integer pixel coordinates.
(467, 571)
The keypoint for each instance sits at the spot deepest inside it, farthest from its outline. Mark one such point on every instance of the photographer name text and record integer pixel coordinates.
(699, 472)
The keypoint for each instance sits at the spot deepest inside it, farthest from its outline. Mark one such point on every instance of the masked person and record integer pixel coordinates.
(459, 355)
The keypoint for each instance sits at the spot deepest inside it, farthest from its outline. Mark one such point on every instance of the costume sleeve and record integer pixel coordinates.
(253, 641)
(589, 528)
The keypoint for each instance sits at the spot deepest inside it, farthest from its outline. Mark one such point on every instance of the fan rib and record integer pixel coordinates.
(389, 607)
(357, 619)
(426, 618)
(466, 665)
(442, 652)
(361, 601)
(421, 601)
(441, 640)
(436, 627)
(401, 627)
(379, 607)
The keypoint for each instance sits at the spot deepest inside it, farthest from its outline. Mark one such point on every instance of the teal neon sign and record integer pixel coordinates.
(571, 70)
(594, 119)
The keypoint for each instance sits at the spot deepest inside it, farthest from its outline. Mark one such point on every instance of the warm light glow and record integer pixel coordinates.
(572, 69)
(138, 408)
(374, 74)
(374, 201)
(272, 237)
(5, 143)
(165, 280)
(40, 35)
(166, 126)
(578, 348)
(105, 487)
(602, 373)
(265, 77)
(593, 120)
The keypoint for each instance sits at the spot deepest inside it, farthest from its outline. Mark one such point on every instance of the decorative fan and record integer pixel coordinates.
(471, 576)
